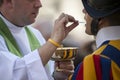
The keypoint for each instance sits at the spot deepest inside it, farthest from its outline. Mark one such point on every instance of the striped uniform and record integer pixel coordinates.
(103, 64)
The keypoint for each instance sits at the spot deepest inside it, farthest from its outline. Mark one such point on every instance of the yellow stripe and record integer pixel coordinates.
(115, 71)
(70, 77)
(99, 51)
(89, 69)
(115, 43)
(65, 54)
(70, 54)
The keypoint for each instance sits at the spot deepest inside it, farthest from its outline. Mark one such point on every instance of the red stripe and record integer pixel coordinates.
(111, 77)
(97, 67)
(80, 73)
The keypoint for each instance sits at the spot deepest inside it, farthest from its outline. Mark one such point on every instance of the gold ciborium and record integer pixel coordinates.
(64, 53)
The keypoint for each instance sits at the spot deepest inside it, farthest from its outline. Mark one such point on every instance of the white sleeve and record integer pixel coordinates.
(29, 67)
(50, 65)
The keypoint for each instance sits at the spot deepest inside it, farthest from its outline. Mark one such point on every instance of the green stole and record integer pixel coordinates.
(11, 42)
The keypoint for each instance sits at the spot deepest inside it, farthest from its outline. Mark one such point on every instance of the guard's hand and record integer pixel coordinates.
(63, 69)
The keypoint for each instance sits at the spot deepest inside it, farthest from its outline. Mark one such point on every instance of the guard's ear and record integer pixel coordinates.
(100, 22)
(103, 22)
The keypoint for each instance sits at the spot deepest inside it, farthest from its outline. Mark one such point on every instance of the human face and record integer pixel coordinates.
(24, 12)
(88, 22)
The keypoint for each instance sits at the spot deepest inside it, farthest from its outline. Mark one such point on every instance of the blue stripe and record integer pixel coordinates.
(76, 72)
(106, 66)
(112, 53)
(104, 43)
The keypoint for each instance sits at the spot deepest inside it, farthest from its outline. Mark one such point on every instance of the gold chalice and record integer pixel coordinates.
(64, 54)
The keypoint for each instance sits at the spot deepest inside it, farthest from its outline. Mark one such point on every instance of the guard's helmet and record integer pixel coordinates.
(101, 8)
(98, 9)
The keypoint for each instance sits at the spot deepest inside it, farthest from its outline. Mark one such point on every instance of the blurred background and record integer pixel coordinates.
(50, 10)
